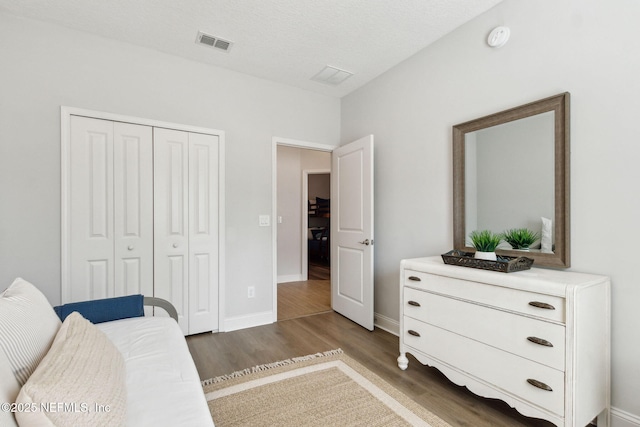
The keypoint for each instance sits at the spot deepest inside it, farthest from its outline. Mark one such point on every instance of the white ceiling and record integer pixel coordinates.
(287, 41)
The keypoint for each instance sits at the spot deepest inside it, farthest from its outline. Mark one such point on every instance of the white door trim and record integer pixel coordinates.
(305, 217)
(275, 142)
(65, 144)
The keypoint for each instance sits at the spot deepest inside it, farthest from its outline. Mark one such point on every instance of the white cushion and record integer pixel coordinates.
(28, 325)
(82, 375)
(163, 384)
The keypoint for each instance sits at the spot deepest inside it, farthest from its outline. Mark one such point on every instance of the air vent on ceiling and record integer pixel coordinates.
(332, 75)
(213, 41)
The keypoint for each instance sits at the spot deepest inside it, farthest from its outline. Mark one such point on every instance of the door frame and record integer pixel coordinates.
(288, 142)
(65, 181)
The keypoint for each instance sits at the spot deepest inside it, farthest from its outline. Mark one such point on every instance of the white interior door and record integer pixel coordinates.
(186, 226)
(91, 253)
(171, 228)
(133, 207)
(203, 233)
(142, 213)
(111, 212)
(352, 231)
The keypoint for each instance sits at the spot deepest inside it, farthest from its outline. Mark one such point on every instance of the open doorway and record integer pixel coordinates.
(318, 196)
(303, 232)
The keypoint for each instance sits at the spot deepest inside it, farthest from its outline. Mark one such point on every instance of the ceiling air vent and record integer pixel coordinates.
(213, 41)
(332, 75)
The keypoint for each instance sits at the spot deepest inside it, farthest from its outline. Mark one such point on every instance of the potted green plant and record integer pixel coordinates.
(520, 238)
(485, 242)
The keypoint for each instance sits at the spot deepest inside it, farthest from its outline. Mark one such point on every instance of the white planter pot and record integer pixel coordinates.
(491, 256)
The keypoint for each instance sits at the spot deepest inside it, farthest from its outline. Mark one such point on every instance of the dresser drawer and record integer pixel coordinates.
(547, 307)
(501, 369)
(534, 339)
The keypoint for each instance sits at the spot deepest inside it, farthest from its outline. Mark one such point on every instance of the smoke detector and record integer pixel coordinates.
(332, 75)
(498, 37)
(213, 41)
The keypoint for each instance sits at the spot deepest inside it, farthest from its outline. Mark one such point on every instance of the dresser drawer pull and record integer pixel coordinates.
(412, 332)
(414, 303)
(414, 279)
(539, 384)
(540, 341)
(542, 305)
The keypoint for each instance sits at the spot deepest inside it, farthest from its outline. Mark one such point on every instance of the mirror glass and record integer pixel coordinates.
(511, 172)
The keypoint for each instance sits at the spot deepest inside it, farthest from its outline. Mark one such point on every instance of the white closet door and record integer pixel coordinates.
(133, 207)
(203, 233)
(91, 210)
(171, 216)
(111, 208)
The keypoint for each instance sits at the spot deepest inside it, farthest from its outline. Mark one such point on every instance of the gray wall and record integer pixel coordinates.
(45, 66)
(586, 47)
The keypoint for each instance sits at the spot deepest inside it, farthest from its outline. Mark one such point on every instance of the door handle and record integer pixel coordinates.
(366, 242)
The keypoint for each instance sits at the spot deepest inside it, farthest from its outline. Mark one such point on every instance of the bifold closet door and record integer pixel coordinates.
(110, 209)
(186, 226)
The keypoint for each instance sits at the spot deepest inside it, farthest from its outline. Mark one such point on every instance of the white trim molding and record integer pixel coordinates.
(620, 418)
(248, 321)
(291, 278)
(386, 324)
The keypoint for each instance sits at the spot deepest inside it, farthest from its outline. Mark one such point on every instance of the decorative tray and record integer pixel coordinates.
(504, 264)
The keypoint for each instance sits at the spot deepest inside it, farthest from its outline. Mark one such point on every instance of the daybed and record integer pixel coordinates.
(134, 371)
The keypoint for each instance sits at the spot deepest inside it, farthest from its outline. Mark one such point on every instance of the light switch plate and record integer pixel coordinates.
(264, 220)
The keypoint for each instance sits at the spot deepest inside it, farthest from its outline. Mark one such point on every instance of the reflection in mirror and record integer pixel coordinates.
(509, 176)
(511, 170)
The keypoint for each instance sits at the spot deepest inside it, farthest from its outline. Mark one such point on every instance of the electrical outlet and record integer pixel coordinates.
(251, 292)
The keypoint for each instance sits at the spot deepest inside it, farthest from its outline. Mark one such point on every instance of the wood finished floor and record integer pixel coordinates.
(313, 296)
(298, 299)
(223, 353)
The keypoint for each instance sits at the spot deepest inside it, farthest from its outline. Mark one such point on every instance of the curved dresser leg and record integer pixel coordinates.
(403, 362)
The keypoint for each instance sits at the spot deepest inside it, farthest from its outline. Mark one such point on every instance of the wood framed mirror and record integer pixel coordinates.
(511, 170)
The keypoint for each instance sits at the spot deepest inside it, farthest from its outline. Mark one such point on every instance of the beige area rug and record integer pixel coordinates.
(324, 389)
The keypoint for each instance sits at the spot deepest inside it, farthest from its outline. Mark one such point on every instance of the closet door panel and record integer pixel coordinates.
(203, 233)
(91, 255)
(171, 227)
(133, 207)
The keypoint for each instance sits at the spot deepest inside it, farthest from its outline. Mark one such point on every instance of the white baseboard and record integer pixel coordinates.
(290, 278)
(249, 321)
(620, 418)
(387, 324)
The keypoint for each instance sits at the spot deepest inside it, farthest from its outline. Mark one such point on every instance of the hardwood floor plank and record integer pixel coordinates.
(297, 299)
(313, 296)
(223, 353)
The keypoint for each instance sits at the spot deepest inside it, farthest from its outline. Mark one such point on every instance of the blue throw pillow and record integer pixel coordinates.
(104, 310)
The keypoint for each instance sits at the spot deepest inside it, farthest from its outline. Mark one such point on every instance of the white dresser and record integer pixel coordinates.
(537, 339)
